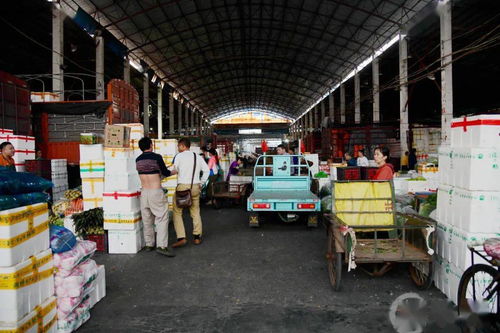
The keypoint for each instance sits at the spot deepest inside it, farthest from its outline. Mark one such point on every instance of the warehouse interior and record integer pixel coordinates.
(332, 82)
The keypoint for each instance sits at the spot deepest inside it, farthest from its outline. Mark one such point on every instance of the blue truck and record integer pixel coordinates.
(282, 184)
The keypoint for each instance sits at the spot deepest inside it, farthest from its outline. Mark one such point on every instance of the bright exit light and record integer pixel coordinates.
(250, 131)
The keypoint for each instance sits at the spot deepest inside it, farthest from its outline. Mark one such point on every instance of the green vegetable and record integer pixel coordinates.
(89, 222)
(321, 174)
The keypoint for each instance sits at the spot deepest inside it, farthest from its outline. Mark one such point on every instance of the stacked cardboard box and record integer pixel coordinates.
(24, 147)
(136, 133)
(92, 173)
(122, 215)
(468, 208)
(26, 271)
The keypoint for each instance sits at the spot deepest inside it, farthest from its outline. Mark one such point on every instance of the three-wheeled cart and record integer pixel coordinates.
(225, 191)
(282, 184)
(364, 228)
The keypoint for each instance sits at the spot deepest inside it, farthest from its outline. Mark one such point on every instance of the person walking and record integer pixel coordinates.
(154, 204)
(188, 166)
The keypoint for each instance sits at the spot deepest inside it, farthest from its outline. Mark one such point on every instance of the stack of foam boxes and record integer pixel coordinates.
(92, 174)
(59, 177)
(468, 208)
(167, 148)
(426, 142)
(122, 211)
(24, 147)
(26, 271)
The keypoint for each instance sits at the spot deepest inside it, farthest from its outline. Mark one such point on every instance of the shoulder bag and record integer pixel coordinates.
(184, 199)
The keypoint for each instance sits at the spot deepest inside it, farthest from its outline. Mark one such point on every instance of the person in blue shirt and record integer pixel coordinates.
(351, 162)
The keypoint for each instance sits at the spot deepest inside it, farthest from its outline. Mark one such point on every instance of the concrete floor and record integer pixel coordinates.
(271, 279)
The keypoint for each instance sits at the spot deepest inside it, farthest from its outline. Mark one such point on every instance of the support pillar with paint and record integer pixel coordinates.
(179, 116)
(145, 99)
(57, 51)
(126, 70)
(171, 124)
(160, 111)
(444, 7)
(376, 90)
(403, 91)
(342, 103)
(357, 99)
(331, 109)
(99, 66)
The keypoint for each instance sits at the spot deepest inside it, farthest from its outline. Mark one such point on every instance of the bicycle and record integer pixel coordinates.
(480, 283)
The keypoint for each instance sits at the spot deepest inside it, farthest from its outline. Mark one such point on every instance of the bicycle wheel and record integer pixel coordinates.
(477, 290)
(334, 259)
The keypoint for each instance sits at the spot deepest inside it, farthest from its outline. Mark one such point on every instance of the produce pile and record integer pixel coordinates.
(71, 203)
(89, 222)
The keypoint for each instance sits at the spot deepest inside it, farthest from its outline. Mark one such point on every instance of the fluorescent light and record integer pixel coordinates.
(135, 65)
(250, 131)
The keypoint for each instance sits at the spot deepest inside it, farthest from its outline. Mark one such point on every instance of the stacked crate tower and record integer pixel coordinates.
(167, 148)
(468, 208)
(92, 174)
(26, 271)
(122, 211)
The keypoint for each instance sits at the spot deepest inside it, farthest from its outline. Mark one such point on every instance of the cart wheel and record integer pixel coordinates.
(334, 260)
(312, 221)
(421, 274)
(253, 221)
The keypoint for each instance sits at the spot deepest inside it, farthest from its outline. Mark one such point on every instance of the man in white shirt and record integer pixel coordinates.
(183, 164)
(362, 160)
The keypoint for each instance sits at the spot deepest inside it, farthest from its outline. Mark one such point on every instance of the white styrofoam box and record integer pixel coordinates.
(447, 277)
(452, 244)
(400, 185)
(91, 203)
(120, 165)
(124, 201)
(92, 187)
(476, 131)
(99, 292)
(476, 211)
(60, 181)
(24, 231)
(122, 221)
(31, 322)
(35, 275)
(169, 182)
(70, 224)
(21, 156)
(125, 241)
(20, 167)
(112, 153)
(136, 130)
(445, 164)
(92, 169)
(20, 142)
(445, 203)
(5, 131)
(58, 163)
(314, 158)
(476, 168)
(165, 147)
(122, 182)
(91, 152)
(422, 185)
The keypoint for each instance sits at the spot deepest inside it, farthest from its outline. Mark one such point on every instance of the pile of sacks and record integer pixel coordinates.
(79, 283)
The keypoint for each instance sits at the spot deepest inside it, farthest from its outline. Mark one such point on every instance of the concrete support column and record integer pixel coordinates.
(310, 124)
(376, 88)
(331, 108)
(171, 124)
(145, 99)
(342, 104)
(126, 70)
(323, 113)
(446, 70)
(179, 116)
(186, 120)
(57, 52)
(99, 67)
(192, 129)
(160, 112)
(403, 91)
(357, 99)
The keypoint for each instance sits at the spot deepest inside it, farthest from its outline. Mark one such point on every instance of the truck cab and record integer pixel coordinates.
(282, 184)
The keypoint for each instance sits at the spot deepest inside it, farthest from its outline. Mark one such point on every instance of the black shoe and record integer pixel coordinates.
(149, 248)
(169, 252)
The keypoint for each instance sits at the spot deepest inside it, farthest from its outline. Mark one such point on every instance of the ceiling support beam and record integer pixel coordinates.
(446, 70)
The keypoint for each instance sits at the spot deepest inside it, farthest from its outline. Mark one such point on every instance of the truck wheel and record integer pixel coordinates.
(312, 221)
(253, 221)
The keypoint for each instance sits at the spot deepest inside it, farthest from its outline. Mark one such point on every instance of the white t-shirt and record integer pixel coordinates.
(363, 162)
(183, 164)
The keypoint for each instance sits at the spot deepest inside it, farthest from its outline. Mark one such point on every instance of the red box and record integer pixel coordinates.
(349, 173)
(101, 242)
